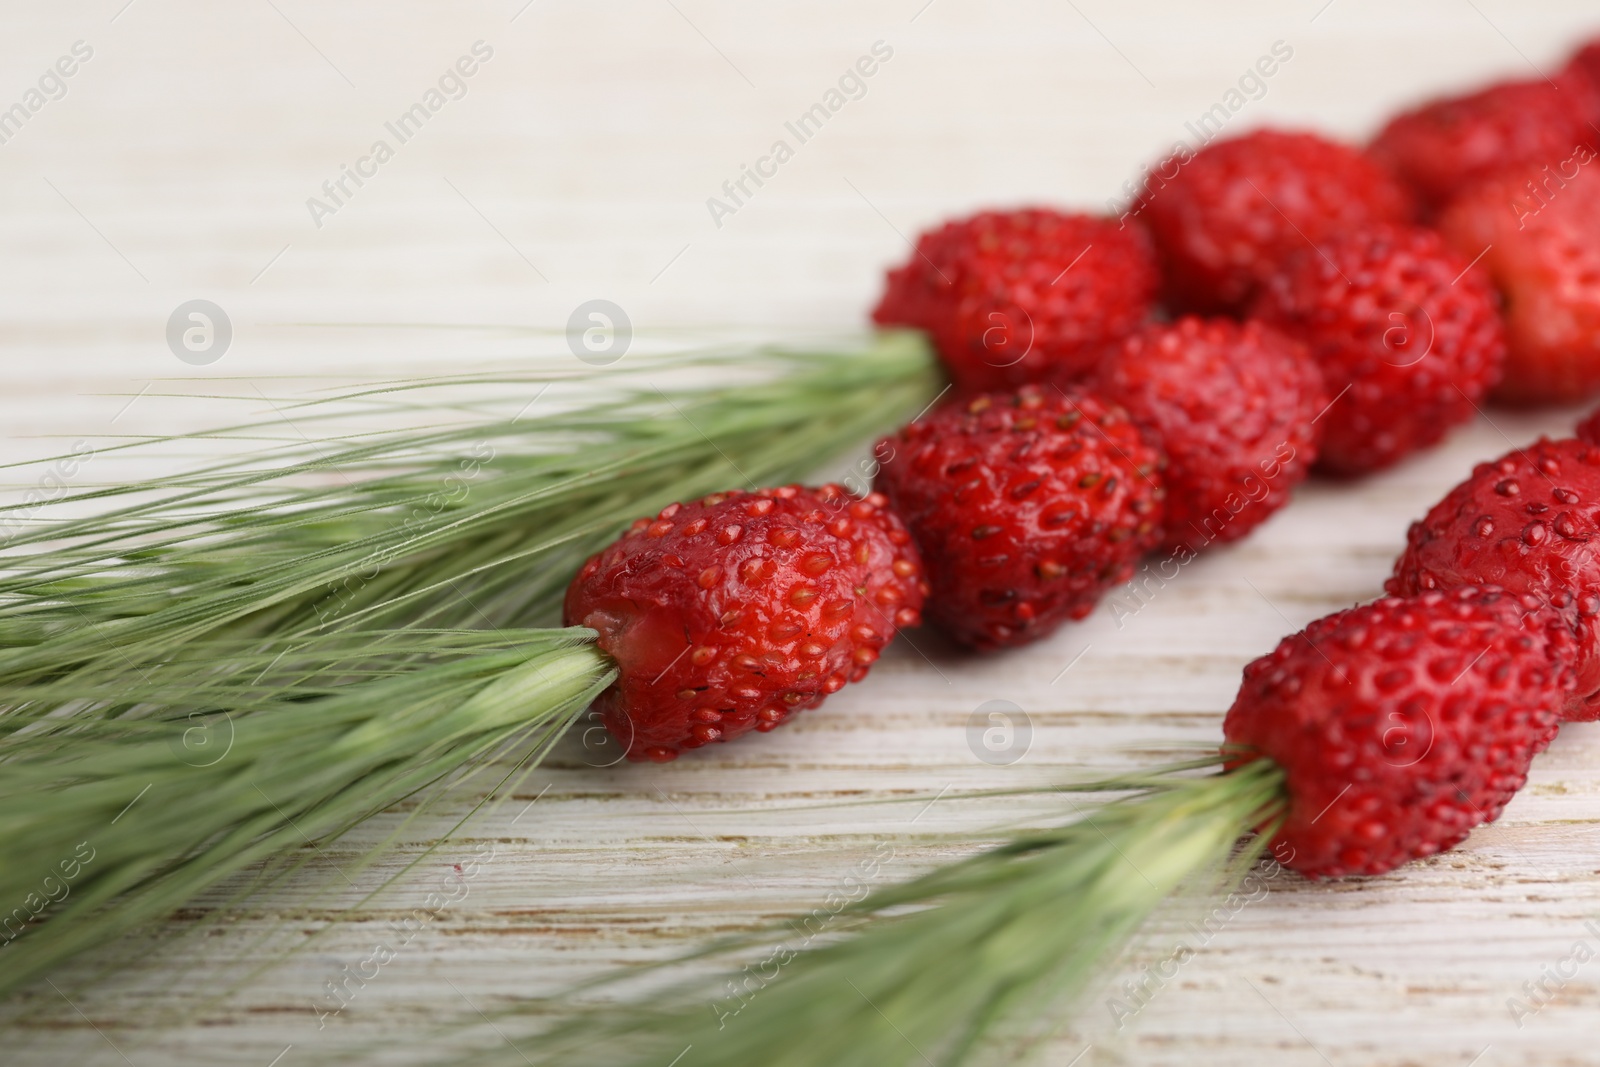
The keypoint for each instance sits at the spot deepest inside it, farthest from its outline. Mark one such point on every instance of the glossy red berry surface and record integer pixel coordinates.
(1234, 407)
(1530, 522)
(1589, 428)
(1447, 145)
(1228, 216)
(1538, 236)
(731, 613)
(1581, 78)
(1010, 297)
(1407, 333)
(1400, 725)
(1027, 506)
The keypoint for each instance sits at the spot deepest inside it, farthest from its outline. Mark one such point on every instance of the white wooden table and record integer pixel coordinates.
(178, 164)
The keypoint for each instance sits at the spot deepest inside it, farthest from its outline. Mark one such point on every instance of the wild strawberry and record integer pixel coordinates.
(1539, 239)
(1027, 506)
(1236, 208)
(1448, 145)
(1589, 428)
(1234, 407)
(1407, 334)
(1581, 78)
(1526, 522)
(734, 612)
(1400, 725)
(1010, 297)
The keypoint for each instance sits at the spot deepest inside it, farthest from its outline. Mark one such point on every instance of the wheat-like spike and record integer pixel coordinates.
(954, 967)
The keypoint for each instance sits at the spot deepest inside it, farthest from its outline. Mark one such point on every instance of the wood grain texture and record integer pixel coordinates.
(577, 165)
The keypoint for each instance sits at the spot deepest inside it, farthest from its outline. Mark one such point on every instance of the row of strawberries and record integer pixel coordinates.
(1404, 723)
(1320, 239)
(1087, 431)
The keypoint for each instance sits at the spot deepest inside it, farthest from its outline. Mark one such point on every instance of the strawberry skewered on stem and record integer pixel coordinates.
(1379, 735)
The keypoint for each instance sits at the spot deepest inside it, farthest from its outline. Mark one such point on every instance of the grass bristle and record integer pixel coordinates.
(109, 823)
(475, 523)
(348, 606)
(951, 967)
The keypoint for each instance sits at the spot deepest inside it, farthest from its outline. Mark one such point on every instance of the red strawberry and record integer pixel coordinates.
(1407, 334)
(1589, 429)
(1526, 522)
(1010, 297)
(1027, 506)
(1581, 77)
(1233, 406)
(1447, 145)
(1236, 208)
(1400, 725)
(736, 611)
(1540, 243)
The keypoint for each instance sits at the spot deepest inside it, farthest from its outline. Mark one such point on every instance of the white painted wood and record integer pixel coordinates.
(578, 165)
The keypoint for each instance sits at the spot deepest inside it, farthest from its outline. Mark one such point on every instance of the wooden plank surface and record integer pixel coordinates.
(576, 164)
